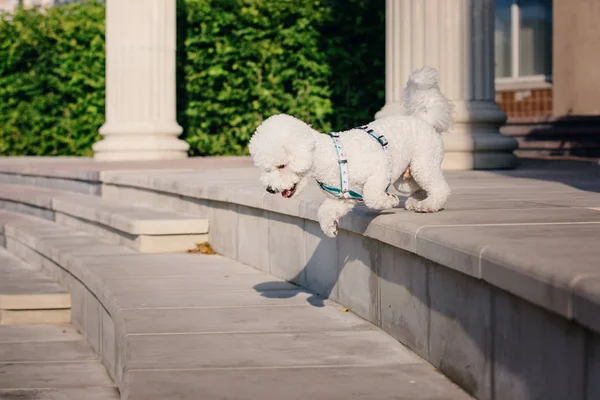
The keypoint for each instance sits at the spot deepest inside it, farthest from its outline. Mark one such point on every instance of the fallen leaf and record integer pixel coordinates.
(203, 248)
(344, 310)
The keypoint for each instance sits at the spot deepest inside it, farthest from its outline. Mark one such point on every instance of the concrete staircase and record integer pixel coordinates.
(27, 296)
(140, 228)
(50, 362)
(172, 325)
(500, 292)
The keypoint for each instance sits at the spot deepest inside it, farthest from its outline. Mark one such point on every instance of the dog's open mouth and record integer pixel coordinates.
(287, 193)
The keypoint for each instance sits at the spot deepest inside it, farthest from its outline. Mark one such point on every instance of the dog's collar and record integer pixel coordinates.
(344, 191)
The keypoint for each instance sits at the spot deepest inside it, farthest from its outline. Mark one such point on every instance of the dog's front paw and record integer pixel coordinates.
(394, 200)
(330, 229)
(411, 204)
(426, 206)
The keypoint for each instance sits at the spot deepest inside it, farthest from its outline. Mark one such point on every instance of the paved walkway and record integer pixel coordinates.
(50, 362)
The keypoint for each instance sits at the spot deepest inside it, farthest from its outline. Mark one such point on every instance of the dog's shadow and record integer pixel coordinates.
(314, 299)
(422, 280)
(360, 218)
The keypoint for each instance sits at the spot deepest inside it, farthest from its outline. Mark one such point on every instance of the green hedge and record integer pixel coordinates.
(238, 62)
(51, 80)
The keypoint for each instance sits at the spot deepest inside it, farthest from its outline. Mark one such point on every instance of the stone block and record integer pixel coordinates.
(24, 252)
(287, 248)
(213, 283)
(359, 219)
(537, 354)
(404, 298)
(250, 197)
(593, 367)
(166, 243)
(247, 319)
(140, 243)
(71, 350)
(358, 282)
(321, 261)
(460, 329)
(216, 298)
(447, 247)
(80, 186)
(129, 219)
(223, 221)
(585, 297)
(392, 228)
(85, 246)
(54, 375)
(39, 333)
(93, 324)
(67, 393)
(155, 199)
(79, 294)
(410, 382)
(30, 300)
(27, 209)
(96, 230)
(267, 349)
(111, 356)
(253, 241)
(163, 265)
(30, 317)
(276, 204)
(539, 262)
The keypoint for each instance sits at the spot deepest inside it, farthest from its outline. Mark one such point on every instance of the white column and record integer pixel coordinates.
(140, 83)
(457, 38)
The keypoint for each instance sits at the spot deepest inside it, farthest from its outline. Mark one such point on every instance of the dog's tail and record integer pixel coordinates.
(423, 99)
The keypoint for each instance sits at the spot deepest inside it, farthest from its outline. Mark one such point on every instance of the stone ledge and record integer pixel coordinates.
(27, 296)
(507, 239)
(144, 229)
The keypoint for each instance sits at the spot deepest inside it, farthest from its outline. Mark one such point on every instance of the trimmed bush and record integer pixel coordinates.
(239, 61)
(51, 80)
(244, 60)
(247, 59)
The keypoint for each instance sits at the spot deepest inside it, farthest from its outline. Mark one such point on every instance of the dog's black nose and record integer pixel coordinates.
(271, 190)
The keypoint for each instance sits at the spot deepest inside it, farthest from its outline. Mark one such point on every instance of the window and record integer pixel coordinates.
(523, 39)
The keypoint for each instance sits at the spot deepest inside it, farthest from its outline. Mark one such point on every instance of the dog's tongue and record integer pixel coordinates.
(286, 193)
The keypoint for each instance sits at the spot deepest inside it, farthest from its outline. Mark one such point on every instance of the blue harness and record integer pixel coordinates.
(344, 191)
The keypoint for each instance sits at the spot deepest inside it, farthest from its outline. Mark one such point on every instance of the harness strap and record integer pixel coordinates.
(344, 192)
(381, 139)
(343, 163)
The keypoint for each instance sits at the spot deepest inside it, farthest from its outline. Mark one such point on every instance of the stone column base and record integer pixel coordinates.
(140, 147)
(474, 142)
(479, 153)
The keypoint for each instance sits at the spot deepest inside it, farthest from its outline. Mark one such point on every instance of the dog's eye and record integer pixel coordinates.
(280, 166)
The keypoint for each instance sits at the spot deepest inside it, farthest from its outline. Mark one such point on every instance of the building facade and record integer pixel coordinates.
(547, 79)
(523, 53)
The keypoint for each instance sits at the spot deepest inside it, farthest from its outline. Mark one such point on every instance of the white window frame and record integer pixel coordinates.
(516, 81)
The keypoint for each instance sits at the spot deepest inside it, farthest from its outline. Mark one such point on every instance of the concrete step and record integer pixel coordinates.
(568, 137)
(143, 229)
(186, 326)
(51, 362)
(27, 296)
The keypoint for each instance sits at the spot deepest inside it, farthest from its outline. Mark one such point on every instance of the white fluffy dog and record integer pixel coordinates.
(289, 153)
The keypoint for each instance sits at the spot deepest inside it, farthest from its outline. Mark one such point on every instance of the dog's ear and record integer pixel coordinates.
(300, 148)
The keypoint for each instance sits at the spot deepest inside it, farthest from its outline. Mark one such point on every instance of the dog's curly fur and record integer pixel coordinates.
(289, 153)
